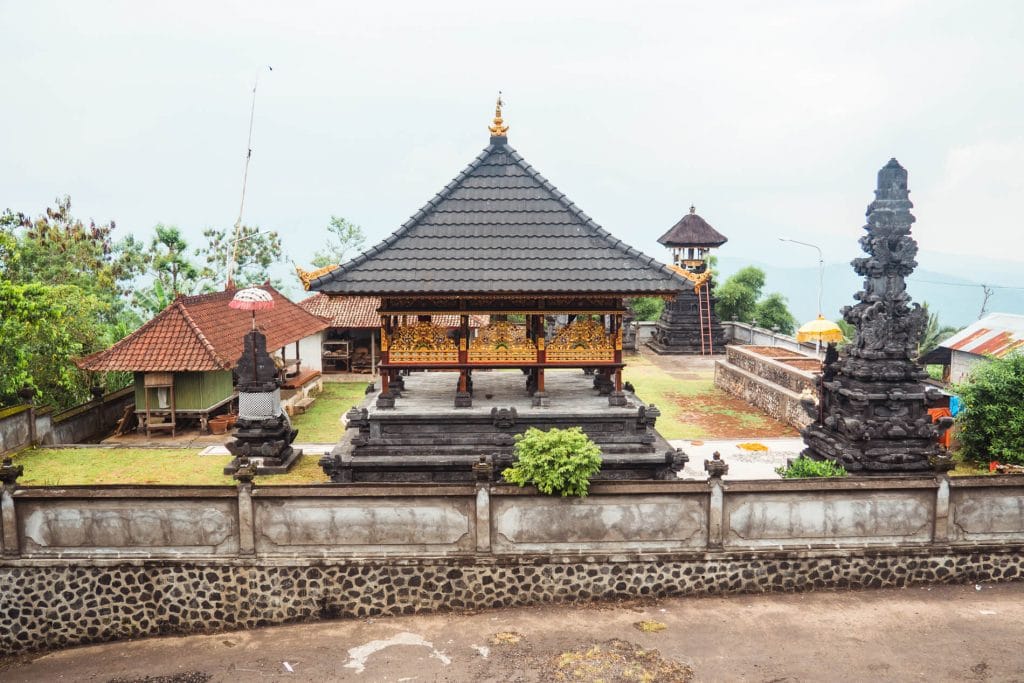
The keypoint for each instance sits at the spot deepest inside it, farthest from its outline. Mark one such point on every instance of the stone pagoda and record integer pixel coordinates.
(872, 417)
(688, 324)
(265, 433)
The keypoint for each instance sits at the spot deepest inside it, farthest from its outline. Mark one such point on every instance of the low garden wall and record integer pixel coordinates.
(766, 383)
(80, 424)
(84, 564)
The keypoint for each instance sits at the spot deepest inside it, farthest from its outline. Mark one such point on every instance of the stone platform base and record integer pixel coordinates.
(267, 465)
(55, 604)
(425, 438)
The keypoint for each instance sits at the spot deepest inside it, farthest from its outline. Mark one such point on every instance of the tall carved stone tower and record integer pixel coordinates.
(872, 418)
(688, 324)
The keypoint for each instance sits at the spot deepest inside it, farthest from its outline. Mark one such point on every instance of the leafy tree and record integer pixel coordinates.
(42, 327)
(738, 295)
(172, 271)
(168, 254)
(646, 307)
(771, 312)
(849, 331)
(62, 287)
(739, 298)
(255, 253)
(343, 238)
(58, 249)
(934, 332)
(558, 461)
(992, 423)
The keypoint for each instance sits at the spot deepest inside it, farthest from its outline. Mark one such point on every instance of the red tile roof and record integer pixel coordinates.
(360, 312)
(200, 333)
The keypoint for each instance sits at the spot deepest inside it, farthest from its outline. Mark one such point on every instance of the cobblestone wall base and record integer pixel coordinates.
(53, 604)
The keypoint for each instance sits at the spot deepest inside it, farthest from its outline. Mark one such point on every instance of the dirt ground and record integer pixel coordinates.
(941, 633)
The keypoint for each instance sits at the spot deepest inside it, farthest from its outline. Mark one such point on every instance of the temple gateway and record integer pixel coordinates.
(499, 241)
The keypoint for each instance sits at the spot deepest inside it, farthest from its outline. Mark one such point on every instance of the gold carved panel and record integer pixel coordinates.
(582, 341)
(422, 342)
(502, 342)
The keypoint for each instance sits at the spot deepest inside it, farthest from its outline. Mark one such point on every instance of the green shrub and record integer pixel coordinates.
(992, 422)
(558, 461)
(647, 307)
(802, 468)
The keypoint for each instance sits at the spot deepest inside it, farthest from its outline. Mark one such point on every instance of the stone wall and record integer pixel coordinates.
(745, 333)
(87, 564)
(75, 425)
(771, 386)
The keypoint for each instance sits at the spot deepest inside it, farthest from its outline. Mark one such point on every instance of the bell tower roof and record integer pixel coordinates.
(692, 231)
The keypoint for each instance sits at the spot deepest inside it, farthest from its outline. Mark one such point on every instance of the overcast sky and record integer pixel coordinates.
(773, 118)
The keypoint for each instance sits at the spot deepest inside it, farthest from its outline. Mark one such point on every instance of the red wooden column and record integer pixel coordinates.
(540, 396)
(616, 397)
(463, 339)
(386, 399)
(385, 343)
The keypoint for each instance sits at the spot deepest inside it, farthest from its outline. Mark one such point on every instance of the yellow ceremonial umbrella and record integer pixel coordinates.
(819, 330)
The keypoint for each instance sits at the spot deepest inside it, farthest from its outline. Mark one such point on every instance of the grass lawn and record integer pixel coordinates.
(81, 466)
(184, 466)
(695, 408)
(322, 422)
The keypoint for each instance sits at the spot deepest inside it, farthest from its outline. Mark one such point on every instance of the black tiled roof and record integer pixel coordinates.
(500, 227)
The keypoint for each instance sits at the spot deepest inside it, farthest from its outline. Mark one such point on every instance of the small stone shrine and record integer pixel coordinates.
(872, 417)
(265, 433)
(688, 324)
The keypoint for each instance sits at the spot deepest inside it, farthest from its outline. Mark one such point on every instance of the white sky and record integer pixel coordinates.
(772, 117)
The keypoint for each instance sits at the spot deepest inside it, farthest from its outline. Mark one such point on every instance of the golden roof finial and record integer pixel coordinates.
(498, 129)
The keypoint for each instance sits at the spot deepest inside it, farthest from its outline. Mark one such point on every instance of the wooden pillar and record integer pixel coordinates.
(385, 341)
(463, 339)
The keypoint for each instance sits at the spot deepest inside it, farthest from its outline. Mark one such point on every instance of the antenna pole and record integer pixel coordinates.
(245, 179)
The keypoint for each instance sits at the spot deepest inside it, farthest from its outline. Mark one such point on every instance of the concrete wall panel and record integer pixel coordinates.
(804, 518)
(124, 527)
(598, 524)
(987, 514)
(379, 525)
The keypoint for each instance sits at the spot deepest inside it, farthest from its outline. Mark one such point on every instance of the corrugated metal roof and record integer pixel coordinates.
(997, 334)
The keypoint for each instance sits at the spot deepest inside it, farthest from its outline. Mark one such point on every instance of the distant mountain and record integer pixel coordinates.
(955, 298)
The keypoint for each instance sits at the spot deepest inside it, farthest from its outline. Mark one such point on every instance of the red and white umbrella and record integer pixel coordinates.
(252, 299)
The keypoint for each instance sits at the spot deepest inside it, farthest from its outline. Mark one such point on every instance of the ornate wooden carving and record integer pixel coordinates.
(502, 342)
(582, 341)
(422, 342)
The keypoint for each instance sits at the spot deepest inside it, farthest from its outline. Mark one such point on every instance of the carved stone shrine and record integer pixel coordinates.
(264, 433)
(872, 416)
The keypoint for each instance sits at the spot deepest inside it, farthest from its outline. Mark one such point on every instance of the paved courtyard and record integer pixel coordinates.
(940, 633)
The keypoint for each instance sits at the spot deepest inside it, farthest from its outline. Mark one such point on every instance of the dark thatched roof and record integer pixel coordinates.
(692, 231)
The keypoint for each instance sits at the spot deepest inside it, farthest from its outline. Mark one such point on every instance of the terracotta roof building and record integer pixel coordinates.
(360, 312)
(183, 357)
(351, 343)
(201, 333)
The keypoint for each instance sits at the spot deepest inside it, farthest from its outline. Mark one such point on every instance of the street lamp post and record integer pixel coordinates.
(821, 280)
